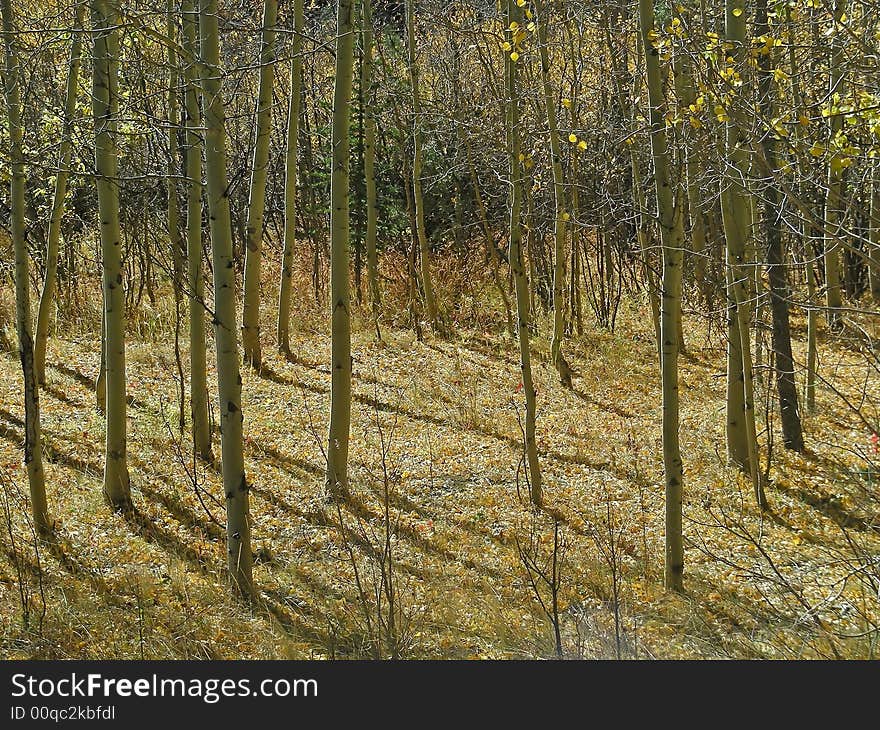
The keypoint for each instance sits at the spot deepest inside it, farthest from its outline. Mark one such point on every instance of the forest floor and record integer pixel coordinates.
(457, 539)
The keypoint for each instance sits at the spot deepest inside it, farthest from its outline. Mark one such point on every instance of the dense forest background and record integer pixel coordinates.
(510, 329)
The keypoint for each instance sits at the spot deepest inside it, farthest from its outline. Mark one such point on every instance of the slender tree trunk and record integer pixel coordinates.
(175, 239)
(779, 290)
(370, 132)
(33, 454)
(235, 485)
(418, 198)
(47, 298)
(736, 217)
(804, 231)
(290, 176)
(812, 344)
(521, 281)
(250, 329)
(561, 214)
(340, 297)
(198, 377)
(105, 100)
(833, 212)
(672, 241)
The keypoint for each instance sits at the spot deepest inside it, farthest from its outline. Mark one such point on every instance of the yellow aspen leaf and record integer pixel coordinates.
(566, 216)
(514, 56)
(737, 12)
(572, 138)
(566, 103)
(582, 145)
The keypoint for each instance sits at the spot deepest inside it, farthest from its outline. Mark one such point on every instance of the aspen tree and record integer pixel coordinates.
(198, 377)
(561, 214)
(742, 447)
(33, 454)
(833, 212)
(47, 297)
(250, 328)
(173, 212)
(779, 289)
(175, 239)
(340, 383)
(672, 241)
(812, 309)
(291, 159)
(521, 281)
(235, 485)
(418, 197)
(370, 133)
(105, 100)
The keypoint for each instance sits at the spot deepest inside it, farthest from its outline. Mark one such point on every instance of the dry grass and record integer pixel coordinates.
(151, 583)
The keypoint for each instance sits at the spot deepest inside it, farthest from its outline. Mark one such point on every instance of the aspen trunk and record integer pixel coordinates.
(33, 455)
(737, 219)
(235, 485)
(370, 133)
(833, 202)
(561, 215)
(340, 386)
(291, 160)
(812, 303)
(250, 329)
(172, 171)
(198, 377)
(105, 98)
(175, 239)
(672, 240)
(521, 281)
(779, 290)
(418, 199)
(47, 297)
